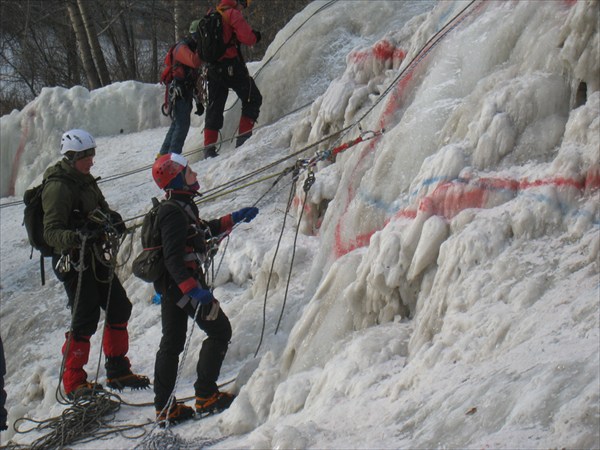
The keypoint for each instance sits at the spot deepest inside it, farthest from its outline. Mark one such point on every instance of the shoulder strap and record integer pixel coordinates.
(221, 11)
(176, 204)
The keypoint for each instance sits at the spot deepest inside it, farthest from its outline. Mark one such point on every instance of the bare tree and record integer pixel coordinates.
(179, 8)
(94, 44)
(83, 44)
(45, 43)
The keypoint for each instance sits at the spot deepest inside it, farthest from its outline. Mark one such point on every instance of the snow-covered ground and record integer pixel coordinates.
(445, 284)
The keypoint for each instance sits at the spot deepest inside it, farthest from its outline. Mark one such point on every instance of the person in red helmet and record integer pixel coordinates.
(230, 72)
(78, 219)
(185, 292)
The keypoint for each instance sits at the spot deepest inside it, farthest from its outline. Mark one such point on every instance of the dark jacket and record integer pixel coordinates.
(68, 198)
(184, 243)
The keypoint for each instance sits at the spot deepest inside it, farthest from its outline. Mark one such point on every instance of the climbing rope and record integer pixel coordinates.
(86, 420)
(308, 182)
(264, 315)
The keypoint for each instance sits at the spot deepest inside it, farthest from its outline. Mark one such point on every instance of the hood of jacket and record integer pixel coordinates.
(63, 169)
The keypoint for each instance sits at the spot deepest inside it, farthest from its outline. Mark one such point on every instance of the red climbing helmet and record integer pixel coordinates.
(168, 167)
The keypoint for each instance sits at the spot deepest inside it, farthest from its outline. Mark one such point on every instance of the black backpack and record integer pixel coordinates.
(33, 219)
(210, 37)
(149, 265)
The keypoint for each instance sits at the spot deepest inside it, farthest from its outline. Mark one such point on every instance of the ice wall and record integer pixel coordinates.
(443, 225)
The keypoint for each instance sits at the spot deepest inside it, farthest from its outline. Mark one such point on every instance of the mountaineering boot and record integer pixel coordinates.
(245, 131)
(210, 152)
(84, 390)
(210, 138)
(239, 141)
(118, 368)
(130, 380)
(217, 402)
(120, 376)
(177, 413)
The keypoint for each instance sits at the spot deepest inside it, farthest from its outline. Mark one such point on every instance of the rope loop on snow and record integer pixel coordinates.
(86, 420)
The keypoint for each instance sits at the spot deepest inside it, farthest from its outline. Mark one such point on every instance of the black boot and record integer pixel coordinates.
(120, 376)
(239, 141)
(210, 152)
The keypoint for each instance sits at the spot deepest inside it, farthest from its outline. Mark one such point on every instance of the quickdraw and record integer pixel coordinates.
(363, 137)
(332, 153)
(172, 91)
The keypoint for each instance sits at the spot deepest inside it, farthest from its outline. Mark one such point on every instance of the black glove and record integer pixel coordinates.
(90, 235)
(258, 36)
(117, 222)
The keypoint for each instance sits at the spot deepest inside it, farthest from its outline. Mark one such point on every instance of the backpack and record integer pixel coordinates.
(149, 265)
(167, 74)
(210, 37)
(33, 219)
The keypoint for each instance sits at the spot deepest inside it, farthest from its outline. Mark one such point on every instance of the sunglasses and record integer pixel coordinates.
(84, 154)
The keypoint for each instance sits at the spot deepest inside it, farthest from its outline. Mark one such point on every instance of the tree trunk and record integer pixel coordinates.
(90, 30)
(129, 45)
(180, 18)
(84, 46)
(154, 43)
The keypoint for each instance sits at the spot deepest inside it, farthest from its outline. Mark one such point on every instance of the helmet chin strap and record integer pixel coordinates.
(188, 190)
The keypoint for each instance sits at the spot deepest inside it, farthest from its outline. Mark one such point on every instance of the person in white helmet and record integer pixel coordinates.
(76, 217)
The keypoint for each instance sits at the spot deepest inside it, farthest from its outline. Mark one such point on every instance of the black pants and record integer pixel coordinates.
(174, 334)
(230, 74)
(93, 296)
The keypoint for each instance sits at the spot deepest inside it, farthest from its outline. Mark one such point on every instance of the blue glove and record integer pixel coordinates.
(244, 214)
(202, 295)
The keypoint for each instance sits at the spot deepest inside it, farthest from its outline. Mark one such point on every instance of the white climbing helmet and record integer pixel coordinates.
(76, 141)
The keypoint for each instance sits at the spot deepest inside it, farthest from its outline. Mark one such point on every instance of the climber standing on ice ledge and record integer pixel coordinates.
(185, 292)
(230, 72)
(76, 220)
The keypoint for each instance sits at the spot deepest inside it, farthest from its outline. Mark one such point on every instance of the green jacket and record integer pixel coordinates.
(67, 199)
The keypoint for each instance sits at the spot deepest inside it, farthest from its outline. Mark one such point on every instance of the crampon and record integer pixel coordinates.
(130, 380)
